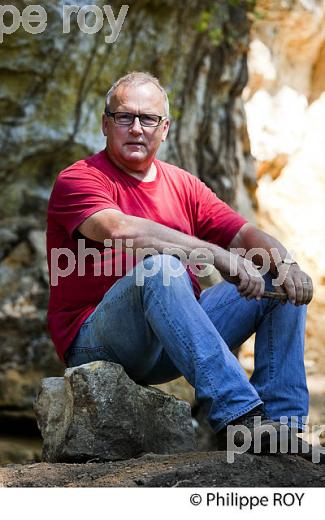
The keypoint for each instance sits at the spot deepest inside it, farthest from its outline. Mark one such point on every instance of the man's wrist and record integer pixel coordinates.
(222, 260)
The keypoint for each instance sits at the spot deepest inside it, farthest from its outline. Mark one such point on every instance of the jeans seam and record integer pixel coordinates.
(79, 350)
(173, 325)
(220, 306)
(215, 393)
(221, 404)
(271, 350)
(241, 412)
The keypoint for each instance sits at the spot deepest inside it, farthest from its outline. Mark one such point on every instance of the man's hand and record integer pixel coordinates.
(244, 275)
(296, 283)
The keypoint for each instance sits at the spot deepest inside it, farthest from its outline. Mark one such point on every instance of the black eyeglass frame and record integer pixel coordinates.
(113, 114)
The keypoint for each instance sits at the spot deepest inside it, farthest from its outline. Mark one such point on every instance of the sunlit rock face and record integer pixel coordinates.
(52, 94)
(285, 106)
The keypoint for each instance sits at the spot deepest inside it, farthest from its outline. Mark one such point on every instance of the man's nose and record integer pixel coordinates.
(136, 127)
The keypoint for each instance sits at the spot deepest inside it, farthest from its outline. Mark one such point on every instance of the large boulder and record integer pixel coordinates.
(97, 412)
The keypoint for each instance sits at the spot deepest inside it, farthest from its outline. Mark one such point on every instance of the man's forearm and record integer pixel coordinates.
(141, 233)
(150, 238)
(253, 239)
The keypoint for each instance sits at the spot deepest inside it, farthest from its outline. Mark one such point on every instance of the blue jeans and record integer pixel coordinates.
(158, 332)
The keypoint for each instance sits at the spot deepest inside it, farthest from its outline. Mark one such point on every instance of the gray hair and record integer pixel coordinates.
(137, 78)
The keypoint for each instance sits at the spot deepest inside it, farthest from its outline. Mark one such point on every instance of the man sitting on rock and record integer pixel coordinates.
(145, 311)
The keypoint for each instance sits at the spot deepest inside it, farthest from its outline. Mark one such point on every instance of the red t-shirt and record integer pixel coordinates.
(175, 198)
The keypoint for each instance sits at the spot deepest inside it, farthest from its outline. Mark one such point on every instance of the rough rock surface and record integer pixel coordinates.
(285, 104)
(199, 469)
(97, 412)
(287, 48)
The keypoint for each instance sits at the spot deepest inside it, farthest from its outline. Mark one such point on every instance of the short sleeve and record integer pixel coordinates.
(216, 222)
(78, 194)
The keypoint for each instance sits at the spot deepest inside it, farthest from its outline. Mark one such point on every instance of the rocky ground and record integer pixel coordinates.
(199, 469)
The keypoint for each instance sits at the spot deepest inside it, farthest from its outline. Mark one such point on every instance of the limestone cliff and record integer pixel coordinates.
(285, 104)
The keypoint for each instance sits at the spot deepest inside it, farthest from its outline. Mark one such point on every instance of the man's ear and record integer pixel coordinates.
(104, 124)
(165, 130)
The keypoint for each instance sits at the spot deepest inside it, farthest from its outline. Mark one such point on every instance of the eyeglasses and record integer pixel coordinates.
(127, 119)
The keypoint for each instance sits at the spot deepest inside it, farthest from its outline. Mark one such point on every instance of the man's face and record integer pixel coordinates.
(134, 147)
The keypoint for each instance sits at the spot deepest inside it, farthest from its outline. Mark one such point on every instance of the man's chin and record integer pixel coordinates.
(135, 158)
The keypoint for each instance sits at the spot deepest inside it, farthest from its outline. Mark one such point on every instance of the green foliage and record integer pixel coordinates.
(258, 15)
(217, 15)
(211, 22)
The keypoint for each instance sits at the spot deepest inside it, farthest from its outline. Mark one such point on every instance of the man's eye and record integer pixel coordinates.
(149, 119)
(124, 118)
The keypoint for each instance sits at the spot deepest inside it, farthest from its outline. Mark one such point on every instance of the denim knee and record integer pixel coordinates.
(162, 268)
